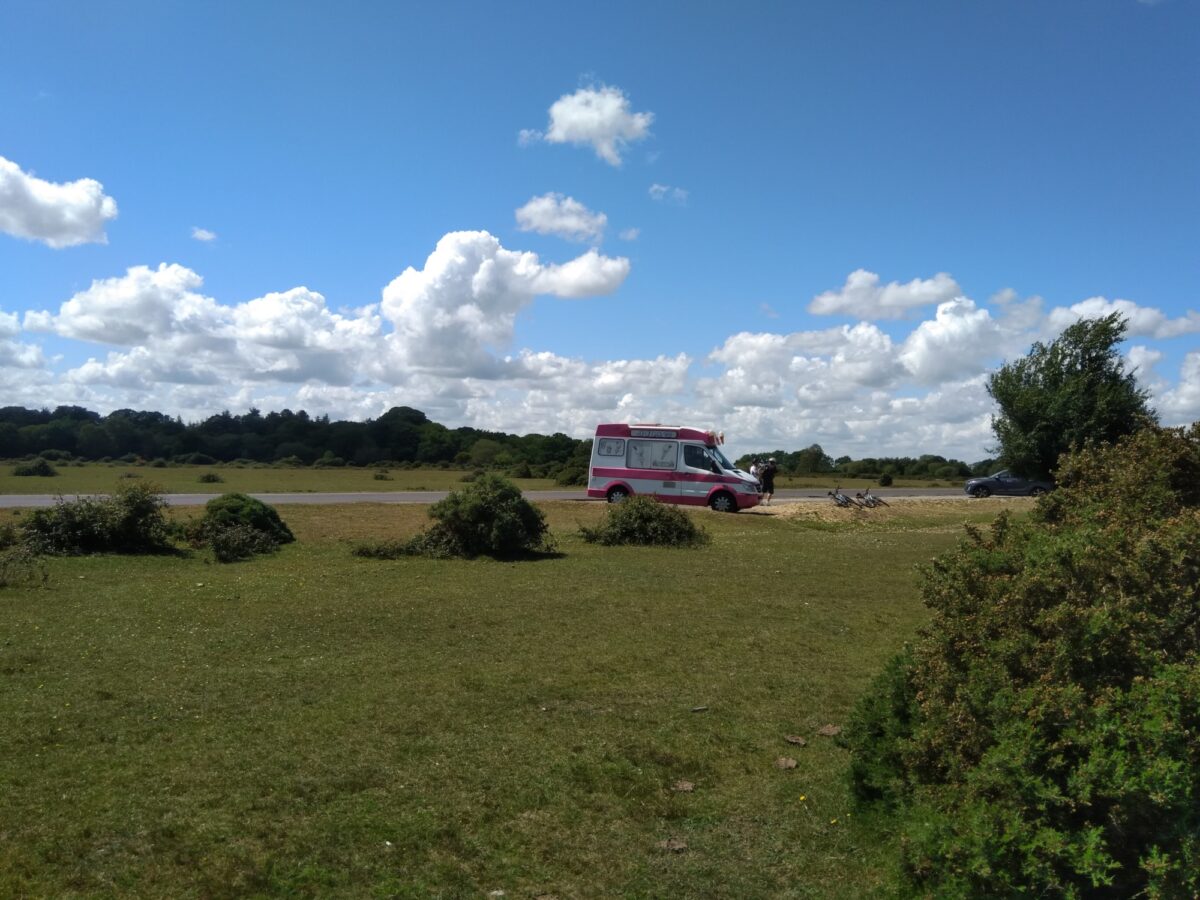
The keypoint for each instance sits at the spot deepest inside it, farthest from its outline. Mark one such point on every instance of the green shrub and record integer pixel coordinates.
(132, 520)
(642, 520)
(38, 467)
(487, 518)
(520, 470)
(236, 542)
(55, 455)
(229, 510)
(1044, 736)
(572, 474)
(885, 480)
(21, 564)
(158, 463)
(210, 478)
(382, 475)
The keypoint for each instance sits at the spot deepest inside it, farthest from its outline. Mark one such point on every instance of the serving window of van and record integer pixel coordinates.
(652, 454)
(610, 447)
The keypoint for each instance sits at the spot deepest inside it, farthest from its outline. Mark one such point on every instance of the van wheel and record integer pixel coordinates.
(723, 503)
(617, 494)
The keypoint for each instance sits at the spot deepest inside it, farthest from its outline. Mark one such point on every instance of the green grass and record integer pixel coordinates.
(99, 478)
(314, 724)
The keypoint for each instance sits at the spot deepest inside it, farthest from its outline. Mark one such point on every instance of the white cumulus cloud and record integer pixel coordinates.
(203, 234)
(1144, 321)
(60, 215)
(955, 344)
(864, 297)
(466, 299)
(600, 117)
(563, 216)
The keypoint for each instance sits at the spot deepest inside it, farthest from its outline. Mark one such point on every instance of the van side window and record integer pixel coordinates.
(696, 458)
(652, 454)
(610, 447)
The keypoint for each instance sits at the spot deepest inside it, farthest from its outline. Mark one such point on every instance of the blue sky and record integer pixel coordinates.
(801, 222)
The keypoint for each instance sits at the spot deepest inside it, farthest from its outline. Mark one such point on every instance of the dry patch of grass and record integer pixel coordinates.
(934, 512)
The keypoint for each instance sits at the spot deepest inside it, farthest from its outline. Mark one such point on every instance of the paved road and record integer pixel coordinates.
(11, 501)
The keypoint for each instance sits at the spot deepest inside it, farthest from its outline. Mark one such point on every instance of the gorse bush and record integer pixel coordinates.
(39, 468)
(233, 509)
(645, 521)
(132, 520)
(210, 478)
(236, 527)
(233, 543)
(489, 517)
(1043, 735)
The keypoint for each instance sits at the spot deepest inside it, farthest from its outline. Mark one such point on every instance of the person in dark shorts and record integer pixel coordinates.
(767, 474)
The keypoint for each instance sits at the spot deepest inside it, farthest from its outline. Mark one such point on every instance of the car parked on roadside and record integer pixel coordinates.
(1004, 483)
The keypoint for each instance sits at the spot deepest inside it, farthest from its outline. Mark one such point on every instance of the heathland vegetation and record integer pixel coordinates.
(600, 721)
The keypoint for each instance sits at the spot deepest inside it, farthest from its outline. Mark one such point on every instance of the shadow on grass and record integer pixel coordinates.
(412, 549)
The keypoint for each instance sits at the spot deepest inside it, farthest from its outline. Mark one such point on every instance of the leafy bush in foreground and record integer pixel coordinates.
(233, 543)
(39, 467)
(236, 527)
(132, 520)
(1043, 736)
(489, 517)
(21, 563)
(642, 520)
(233, 509)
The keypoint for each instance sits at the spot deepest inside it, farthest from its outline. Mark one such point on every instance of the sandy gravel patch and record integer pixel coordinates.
(826, 511)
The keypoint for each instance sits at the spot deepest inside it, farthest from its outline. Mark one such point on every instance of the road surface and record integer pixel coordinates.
(12, 501)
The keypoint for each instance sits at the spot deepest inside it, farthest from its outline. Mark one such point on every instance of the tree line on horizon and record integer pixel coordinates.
(401, 435)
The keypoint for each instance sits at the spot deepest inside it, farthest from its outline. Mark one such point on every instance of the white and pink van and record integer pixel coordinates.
(674, 464)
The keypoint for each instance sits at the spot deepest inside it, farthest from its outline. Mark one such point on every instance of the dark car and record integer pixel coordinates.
(1006, 483)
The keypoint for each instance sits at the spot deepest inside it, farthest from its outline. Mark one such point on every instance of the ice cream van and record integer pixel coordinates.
(674, 464)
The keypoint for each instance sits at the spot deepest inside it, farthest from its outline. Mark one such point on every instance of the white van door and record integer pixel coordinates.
(653, 466)
(697, 471)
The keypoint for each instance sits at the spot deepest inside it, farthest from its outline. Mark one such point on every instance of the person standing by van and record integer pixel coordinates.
(767, 477)
(756, 471)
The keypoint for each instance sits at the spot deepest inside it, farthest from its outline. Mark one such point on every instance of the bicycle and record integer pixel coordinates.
(869, 500)
(841, 500)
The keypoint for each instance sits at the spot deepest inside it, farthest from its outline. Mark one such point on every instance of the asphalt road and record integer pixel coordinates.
(12, 501)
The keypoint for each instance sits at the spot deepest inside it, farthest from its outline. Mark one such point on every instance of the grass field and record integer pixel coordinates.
(313, 724)
(94, 478)
(98, 478)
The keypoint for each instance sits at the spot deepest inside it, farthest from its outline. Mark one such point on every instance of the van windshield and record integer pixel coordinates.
(720, 458)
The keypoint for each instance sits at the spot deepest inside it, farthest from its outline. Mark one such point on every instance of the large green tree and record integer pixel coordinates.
(1065, 394)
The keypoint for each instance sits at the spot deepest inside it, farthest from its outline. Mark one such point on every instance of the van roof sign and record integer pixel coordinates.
(653, 432)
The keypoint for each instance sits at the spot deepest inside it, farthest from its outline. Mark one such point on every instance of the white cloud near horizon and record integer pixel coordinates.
(448, 315)
(600, 116)
(443, 339)
(58, 215)
(563, 216)
(1144, 321)
(863, 297)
